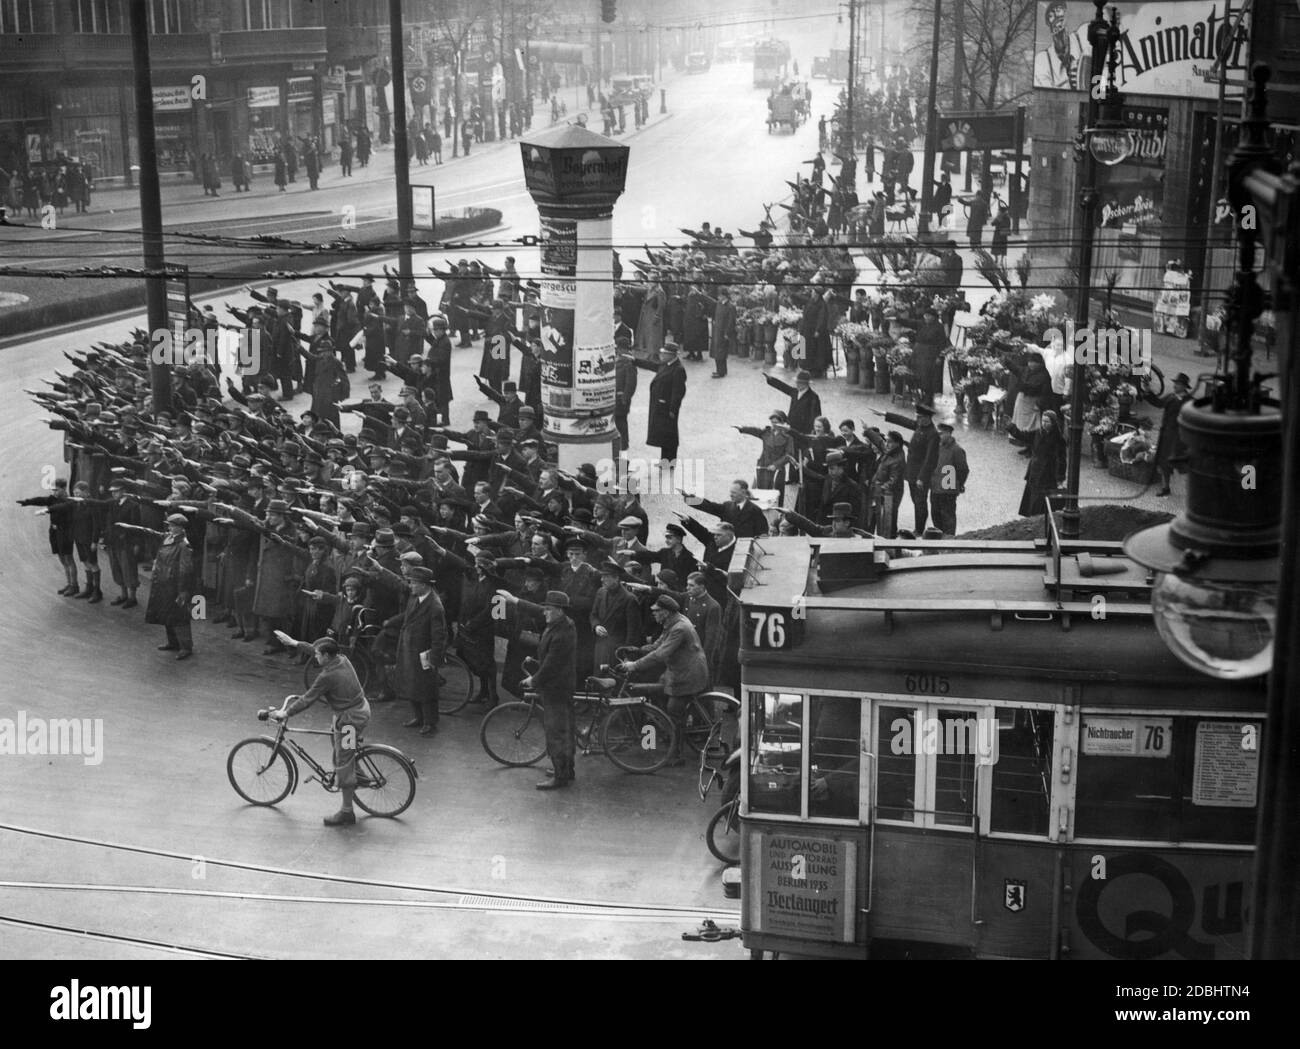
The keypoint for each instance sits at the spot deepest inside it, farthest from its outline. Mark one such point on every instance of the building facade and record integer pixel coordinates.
(1156, 206)
(228, 76)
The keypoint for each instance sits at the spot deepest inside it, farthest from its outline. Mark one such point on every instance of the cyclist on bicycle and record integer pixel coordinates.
(686, 672)
(337, 684)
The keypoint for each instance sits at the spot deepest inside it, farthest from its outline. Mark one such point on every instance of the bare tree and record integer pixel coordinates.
(455, 20)
(997, 39)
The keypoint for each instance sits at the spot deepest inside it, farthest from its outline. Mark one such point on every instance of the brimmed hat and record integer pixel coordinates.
(506, 434)
(277, 506)
(556, 599)
(610, 567)
(385, 537)
(632, 522)
(802, 376)
(835, 458)
(481, 416)
(842, 510)
(509, 387)
(575, 544)
(923, 408)
(177, 519)
(528, 409)
(362, 530)
(1182, 379)
(420, 574)
(317, 540)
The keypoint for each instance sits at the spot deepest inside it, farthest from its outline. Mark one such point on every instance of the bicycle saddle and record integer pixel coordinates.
(602, 684)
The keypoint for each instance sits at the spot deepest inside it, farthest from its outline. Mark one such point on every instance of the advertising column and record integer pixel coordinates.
(575, 176)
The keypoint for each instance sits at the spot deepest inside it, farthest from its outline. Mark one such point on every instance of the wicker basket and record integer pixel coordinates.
(1138, 473)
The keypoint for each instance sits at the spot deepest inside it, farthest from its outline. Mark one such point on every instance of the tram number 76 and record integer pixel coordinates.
(771, 630)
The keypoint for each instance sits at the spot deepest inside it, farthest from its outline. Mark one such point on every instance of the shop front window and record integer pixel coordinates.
(26, 16)
(833, 755)
(775, 752)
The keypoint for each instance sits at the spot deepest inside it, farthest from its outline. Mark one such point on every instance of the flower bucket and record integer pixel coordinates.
(851, 363)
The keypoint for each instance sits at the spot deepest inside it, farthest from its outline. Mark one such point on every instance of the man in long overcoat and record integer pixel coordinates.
(667, 389)
(421, 645)
(171, 587)
(553, 680)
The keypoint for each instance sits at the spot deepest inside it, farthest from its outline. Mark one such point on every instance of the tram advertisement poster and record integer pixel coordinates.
(558, 295)
(1226, 772)
(806, 886)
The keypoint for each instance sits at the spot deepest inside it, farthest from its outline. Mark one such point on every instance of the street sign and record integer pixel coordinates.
(422, 216)
(977, 131)
(178, 297)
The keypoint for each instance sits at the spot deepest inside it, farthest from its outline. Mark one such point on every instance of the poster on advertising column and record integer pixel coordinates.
(806, 887)
(593, 343)
(558, 296)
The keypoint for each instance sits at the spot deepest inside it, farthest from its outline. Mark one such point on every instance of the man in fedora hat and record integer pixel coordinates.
(421, 645)
(843, 517)
(948, 479)
(667, 391)
(805, 405)
(170, 589)
(1171, 452)
(553, 681)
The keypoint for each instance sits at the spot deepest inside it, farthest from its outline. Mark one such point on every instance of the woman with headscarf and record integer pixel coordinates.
(1033, 387)
(1046, 465)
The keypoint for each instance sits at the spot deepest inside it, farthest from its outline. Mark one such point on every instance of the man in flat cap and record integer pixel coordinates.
(615, 617)
(680, 656)
(922, 454)
(338, 686)
(948, 480)
(172, 583)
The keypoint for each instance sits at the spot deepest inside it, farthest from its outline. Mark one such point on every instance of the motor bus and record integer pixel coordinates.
(770, 60)
(983, 750)
(697, 62)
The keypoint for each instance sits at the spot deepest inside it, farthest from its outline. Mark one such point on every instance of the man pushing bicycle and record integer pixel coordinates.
(338, 686)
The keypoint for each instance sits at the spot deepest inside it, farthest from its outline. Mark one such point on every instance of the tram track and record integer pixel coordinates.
(455, 898)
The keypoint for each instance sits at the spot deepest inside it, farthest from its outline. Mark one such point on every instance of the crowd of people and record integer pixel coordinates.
(58, 184)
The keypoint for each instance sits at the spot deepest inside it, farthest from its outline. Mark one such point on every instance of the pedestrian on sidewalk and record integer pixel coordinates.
(311, 161)
(291, 160)
(239, 173)
(435, 143)
(466, 133)
(345, 156)
(446, 121)
(363, 146)
(281, 171)
(1001, 226)
(979, 215)
(208, 173)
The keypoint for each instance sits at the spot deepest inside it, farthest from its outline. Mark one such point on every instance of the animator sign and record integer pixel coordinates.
(1164, 48)
(806, 887)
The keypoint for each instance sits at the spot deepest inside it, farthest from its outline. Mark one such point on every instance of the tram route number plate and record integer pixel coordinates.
(772, 629)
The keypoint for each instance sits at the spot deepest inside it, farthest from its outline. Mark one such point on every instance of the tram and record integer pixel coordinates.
(770, 60)
(983, 750)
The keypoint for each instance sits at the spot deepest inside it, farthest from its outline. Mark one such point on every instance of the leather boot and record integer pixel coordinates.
(97, 595)
(90, 589)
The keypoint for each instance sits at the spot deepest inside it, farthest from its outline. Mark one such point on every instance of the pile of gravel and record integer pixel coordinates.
(1101, 522)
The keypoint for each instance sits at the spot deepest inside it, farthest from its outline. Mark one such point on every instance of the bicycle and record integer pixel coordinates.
(702, 713)
(361, 636)
(455, 680)
(720, 764)
(634, 734)
(264, 772)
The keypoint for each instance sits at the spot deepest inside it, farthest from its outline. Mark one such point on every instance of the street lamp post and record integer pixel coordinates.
(931, 129)
(401, 155)
(1096, 132)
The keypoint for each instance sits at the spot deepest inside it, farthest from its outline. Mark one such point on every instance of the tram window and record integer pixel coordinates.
(954, 767)
(776, 752)
(896, 763)
(1022, 774)
(834, 724)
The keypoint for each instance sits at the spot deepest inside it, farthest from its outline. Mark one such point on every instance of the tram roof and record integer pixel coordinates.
(938, 575)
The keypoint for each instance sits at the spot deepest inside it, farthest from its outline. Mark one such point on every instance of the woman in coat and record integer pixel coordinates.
(329, 383)
(695, 334)
(374, 335)
(1001, 226)
(1033, 387)
(1046, 466)
(778, 448)
(281, 171)
(650, 323)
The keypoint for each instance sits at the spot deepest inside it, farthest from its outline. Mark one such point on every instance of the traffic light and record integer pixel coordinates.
(607, 11)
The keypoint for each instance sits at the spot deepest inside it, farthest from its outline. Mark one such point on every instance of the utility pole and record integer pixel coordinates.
(155, 261)
(931, 129)
(401, 155)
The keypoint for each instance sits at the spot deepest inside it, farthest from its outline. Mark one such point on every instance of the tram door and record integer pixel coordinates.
(924, 819)
(962, 844)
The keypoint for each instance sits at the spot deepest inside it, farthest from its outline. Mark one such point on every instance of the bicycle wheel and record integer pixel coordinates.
(638, 737)
(455, 685)
(723, 834)
(260, 774)
(703, 714)
(513, 734)
(385, 781)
